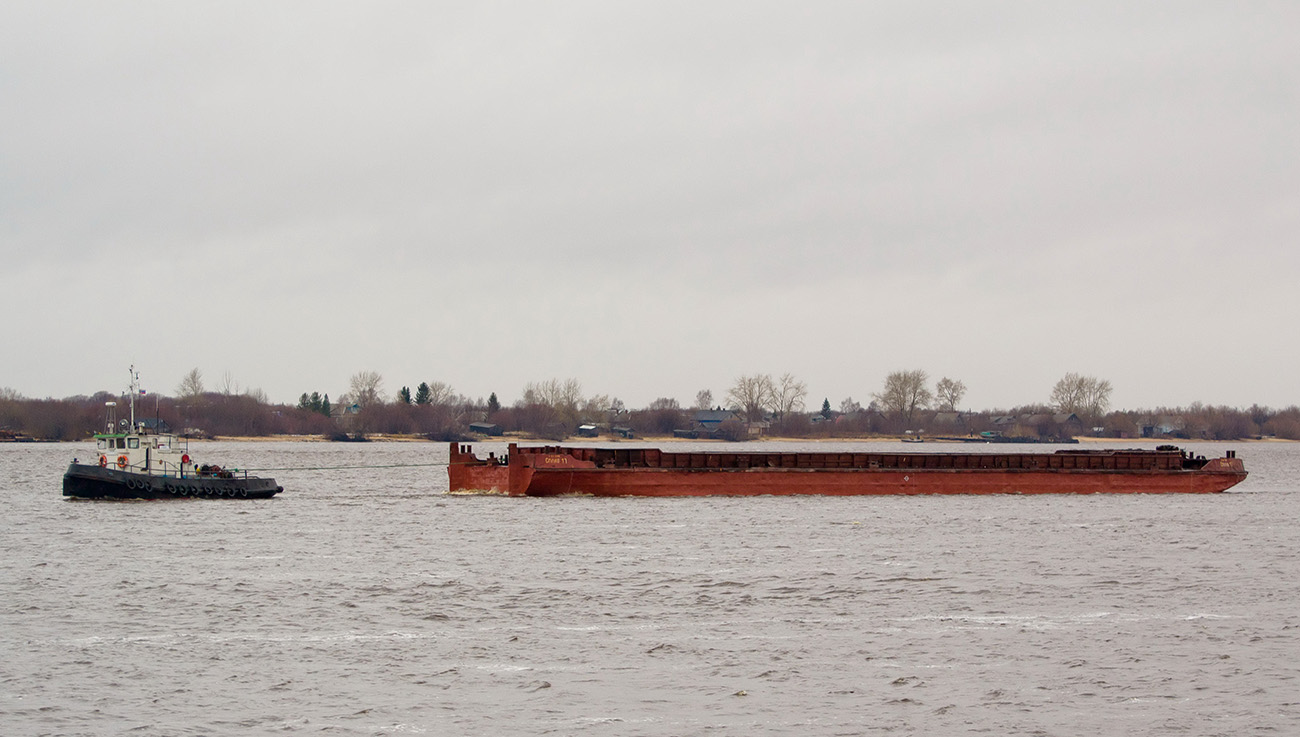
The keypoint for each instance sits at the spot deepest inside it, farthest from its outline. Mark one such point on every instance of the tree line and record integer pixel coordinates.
(907, 401)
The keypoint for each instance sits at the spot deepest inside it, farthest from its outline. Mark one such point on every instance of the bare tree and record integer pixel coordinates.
(703, 399)
(191, 384)
(949, 393)
(1067, 395)
(1098, 398)
(228, 385)
(597, 407)
(555, 393)
(788, 394)
(441, 393)
(1084, 395)
(848, 406)
(366, 388)
(560, 400)
(663, 415)
(751, 395)
(904, 393)
(663, 403)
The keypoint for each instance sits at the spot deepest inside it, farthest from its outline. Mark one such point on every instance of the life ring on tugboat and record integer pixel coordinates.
(185, 458)
(103, 461)
(122, 461)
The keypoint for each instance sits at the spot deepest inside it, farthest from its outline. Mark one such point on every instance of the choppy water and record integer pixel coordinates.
(365, 602)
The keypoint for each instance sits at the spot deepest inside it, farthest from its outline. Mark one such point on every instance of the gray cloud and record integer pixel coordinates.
(654, 198)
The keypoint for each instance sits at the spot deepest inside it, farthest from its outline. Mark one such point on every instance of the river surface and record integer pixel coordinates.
(369, 602)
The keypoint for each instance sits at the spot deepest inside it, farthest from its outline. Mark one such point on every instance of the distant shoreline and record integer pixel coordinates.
(388, 438)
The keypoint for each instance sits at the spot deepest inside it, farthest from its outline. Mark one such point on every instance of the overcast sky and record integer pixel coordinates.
(653, 198)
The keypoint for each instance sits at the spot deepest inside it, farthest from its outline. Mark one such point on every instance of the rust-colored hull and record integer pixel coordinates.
(782, 482)
(549, 471)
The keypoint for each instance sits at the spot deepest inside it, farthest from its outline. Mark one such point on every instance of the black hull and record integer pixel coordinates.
(94, 482)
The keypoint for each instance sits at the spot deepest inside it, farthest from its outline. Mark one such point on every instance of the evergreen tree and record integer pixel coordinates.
(494, 406)
(826, 407)
(325, 406)
(422, 393)
(304, 402)
(314, 402)
(404, 395)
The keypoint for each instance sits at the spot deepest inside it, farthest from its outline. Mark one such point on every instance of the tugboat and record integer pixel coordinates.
(138, 462)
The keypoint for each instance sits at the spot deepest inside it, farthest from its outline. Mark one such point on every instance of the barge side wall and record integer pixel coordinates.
(784, 482)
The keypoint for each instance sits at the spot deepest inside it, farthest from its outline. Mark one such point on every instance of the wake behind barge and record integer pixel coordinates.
(554, 470)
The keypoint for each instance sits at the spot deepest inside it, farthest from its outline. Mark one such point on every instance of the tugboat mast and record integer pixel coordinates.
(135, 388)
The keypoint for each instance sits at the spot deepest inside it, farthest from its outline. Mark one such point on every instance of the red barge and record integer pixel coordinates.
(553, 471)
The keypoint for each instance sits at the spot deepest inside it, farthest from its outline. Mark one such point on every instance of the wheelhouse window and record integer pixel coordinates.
(133, 443)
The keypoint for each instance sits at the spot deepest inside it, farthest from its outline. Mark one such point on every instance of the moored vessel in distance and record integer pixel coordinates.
(555, 470)
(133, 461)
